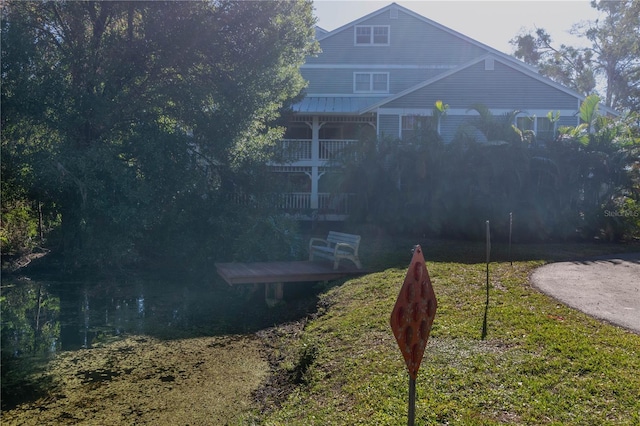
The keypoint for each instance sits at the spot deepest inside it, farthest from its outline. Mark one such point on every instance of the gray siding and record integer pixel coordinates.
(340, 81)
(389, 125)
(568, 121)
(412, 41)
(503, 87)
(449, 126)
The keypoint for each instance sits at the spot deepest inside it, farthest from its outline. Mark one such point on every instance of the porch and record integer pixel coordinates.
(307, 158)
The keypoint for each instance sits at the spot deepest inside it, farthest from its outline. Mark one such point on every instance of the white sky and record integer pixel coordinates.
(491, 22)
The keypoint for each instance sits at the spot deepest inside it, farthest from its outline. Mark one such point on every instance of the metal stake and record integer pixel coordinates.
(412, 401)
(510, 232)
(486, 308)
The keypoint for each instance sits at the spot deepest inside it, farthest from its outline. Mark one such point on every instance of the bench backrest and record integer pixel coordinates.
(340, 237)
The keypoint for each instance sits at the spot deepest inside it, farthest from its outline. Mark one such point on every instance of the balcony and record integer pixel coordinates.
(301, 151)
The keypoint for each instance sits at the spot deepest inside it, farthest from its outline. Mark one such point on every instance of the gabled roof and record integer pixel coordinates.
(320, 32)
(515, 65)
(429, 22)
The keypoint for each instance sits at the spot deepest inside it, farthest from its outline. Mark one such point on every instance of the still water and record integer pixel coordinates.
(40, 318)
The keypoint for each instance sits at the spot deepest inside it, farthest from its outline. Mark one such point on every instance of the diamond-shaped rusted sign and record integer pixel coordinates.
(413, 313)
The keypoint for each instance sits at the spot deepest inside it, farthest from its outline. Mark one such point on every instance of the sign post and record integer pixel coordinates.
(486, 307)
(412, 318)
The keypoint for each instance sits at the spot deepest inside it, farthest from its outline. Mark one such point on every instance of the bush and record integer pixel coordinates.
(19, 227)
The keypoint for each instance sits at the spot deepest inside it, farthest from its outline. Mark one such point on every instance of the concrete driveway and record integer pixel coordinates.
(607, 288)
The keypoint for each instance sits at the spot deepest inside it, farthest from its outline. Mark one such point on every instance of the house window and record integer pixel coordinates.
(525, 123)
(371, 82)
(363, 35)
(369, 35)
(542, 127)
(414, 126)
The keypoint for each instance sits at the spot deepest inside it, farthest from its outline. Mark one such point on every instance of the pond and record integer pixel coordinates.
(43, 317)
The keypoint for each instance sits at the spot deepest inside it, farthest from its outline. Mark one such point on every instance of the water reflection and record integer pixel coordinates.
(40, 318)
(44, 317)
(30, 322)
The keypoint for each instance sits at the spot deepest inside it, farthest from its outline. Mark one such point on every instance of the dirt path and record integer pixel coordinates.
(141, 380)
(607, 288)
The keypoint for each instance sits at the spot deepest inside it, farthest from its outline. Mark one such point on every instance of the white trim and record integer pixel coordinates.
(379, 66)
(468, 112)
(344, 95)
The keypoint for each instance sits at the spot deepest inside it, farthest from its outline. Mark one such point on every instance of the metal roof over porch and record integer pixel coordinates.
(336, 104)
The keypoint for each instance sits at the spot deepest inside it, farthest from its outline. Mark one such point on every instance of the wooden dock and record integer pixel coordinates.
(274, 274)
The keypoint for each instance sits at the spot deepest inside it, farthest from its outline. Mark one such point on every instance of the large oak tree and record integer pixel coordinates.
(137, 120)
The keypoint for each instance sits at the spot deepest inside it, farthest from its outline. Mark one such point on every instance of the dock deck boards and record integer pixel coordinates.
(281, 272)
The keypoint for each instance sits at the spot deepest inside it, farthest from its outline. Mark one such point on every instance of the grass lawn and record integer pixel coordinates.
(541, 362)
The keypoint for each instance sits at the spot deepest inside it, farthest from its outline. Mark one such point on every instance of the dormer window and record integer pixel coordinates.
(372, 35)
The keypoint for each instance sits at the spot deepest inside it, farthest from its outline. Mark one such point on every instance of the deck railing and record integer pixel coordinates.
(330, 148)
(335, 203)
(301, 149)
(294, 149)
(300, 202)
(327, 203)
(296, 201)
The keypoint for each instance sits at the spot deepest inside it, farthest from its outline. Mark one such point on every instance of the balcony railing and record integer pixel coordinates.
(296, 201)
(330, 148)
(335, 203)
(299, 203)
(293, 150)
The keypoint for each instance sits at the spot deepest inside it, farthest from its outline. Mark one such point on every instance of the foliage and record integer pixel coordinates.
(19, 230)
(583, 184)
(137, 121)
(612, 56)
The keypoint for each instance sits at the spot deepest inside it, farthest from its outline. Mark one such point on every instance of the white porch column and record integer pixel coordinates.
(315, 160)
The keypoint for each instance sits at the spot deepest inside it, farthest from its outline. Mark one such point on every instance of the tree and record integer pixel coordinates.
(564, 64)
(616, 47)
(613, 57)
(583, 184)
(136, 120)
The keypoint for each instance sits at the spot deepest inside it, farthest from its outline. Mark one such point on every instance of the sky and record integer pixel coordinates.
(491, 22)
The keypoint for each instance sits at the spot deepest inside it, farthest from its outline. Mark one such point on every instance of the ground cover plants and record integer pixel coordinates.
(541, 363)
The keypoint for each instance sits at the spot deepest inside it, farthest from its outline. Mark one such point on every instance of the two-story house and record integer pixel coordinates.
(378, 74)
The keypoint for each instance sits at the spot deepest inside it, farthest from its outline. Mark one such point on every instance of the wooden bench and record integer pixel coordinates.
(336, 246)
